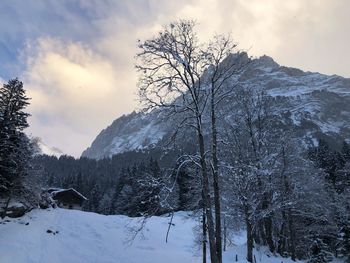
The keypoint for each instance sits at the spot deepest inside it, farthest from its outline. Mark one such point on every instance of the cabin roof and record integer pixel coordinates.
(70, 190)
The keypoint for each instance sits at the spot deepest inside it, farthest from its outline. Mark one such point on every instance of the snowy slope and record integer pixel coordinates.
(315, 103)
(92, 238)
(43, 148)
(135, 131)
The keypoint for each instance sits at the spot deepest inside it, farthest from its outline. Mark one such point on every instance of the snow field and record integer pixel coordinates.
(82, 237)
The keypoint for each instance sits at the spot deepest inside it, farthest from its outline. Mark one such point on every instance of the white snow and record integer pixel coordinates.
(15, 204)
(145, 137)
(45, 149)
(92, 238)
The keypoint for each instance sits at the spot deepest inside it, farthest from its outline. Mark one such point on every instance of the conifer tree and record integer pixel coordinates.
(14, 145)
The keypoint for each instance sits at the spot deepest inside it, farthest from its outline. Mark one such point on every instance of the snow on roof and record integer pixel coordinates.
(53, 189)
(59, 190)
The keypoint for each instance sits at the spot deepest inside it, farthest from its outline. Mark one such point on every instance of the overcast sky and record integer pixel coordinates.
(76, 57)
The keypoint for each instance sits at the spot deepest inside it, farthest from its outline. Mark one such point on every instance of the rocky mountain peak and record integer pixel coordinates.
(316, 104)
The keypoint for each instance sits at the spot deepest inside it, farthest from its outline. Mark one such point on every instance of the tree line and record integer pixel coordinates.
(16, 149)
(283, 197)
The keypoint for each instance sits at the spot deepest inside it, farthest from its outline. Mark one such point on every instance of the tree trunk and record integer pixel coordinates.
(291, 231)
(268, 233)
(291, 235)
(204, 241)
(259, 234)
(249, 239)
(281, 248)
(225, 233)
(216, 184)
(267, 223)
(169, 226)
(6, 207)
(206, 194)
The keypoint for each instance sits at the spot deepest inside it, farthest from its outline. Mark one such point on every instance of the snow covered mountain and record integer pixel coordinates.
(316, 104)
(45, 149)
(135, 131)
(71, 236)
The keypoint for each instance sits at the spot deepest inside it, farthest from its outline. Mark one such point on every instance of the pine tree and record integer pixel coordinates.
(190, 196)
(94, 198)
(330, 161)
(14, 145)
(318, 252)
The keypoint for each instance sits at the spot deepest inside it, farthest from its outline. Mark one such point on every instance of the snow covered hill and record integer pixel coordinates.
(316, 105)
(70, 236)
(43, 148)
(135, 131)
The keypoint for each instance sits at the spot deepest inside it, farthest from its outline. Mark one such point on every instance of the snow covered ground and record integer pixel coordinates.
(81, 237)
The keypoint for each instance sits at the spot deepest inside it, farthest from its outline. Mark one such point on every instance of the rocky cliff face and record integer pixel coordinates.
(135, 131)
(316, 104)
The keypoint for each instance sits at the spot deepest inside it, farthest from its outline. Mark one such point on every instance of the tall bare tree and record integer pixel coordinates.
(171, 66)
(222, 66)
(179, 73)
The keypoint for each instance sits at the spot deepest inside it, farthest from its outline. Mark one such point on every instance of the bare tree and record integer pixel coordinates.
(251, 159)
(171, 67)
(222, 66)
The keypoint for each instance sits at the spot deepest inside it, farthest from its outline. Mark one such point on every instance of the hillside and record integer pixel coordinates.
(316, 105)
(82, 237)
(43, 148)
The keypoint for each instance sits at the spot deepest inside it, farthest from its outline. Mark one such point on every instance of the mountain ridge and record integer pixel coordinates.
(317, 103)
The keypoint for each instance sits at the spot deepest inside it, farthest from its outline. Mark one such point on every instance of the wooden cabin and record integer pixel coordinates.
(67, 198)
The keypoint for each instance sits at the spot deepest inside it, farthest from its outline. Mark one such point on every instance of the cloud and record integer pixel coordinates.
(312, 35)
(78, 61)
(73, 90)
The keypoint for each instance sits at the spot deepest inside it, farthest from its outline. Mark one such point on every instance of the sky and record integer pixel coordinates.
(76, 57)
